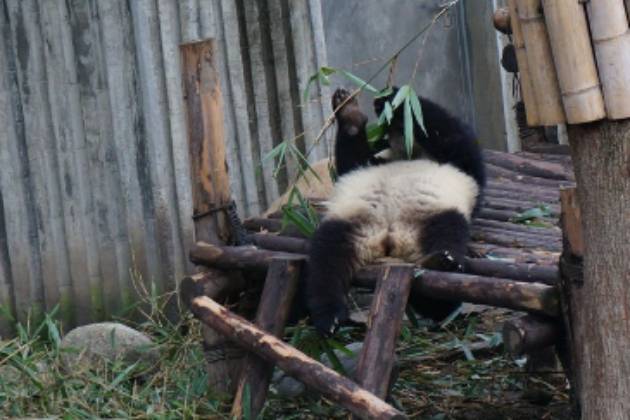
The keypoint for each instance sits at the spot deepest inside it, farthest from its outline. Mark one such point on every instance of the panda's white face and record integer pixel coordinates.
(389, 203)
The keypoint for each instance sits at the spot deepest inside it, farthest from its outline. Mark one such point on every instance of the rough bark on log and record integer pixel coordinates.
(537, 231)
(215, 284)
(530, 297)
(273, 312)
(530, 256)
(599, 321)
(251, 258)
(515, 239)
(529, 334)
(280, 243)
(525, 166)
(295, 363)
(518, 206)
(385, 320)
(499, 172)
(571, 220)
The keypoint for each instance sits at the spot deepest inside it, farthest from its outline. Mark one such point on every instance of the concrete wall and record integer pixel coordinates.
(458, 65)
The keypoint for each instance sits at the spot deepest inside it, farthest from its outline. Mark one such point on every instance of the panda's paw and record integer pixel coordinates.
(327, 320)
(340, 98)
(442, 260)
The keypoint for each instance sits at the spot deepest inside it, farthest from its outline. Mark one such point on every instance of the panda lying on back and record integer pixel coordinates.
(414, 210)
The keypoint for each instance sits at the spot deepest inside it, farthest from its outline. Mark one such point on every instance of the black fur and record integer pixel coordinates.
(449, 139)
(446, 231)
(352, 150)
(331, 266)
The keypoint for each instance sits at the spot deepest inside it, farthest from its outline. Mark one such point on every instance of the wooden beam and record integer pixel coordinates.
(335, 387)
(273, 312)
(388, 307)
(529, 334)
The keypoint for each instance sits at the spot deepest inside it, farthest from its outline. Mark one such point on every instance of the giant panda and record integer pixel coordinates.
(416, 210)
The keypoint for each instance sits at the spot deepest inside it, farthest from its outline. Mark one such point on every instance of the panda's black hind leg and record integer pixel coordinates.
(331, 266)
(444, 241)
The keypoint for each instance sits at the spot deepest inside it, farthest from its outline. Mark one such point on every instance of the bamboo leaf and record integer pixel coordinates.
(408, 130)
(122, 375)
(417, 112)
(375, 132)
(401, 95)
(363, 85)
(385, 92)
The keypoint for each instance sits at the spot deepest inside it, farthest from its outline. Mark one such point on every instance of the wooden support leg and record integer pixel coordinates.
(313, 374)
(377, 357)
(273, 311)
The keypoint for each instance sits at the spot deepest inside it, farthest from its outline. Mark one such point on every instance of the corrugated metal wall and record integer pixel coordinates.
(94, 169)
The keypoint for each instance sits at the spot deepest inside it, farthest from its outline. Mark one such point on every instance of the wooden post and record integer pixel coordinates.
(596, 303)
(209, 175)
(611, 40)
(273, 312)
(542, 70)
(204, 112)
(388, 307)
(335, 387)
(574, 60)
(527, 88)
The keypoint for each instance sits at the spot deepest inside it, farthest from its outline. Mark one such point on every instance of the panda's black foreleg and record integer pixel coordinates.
(444, 242)
(331, 266)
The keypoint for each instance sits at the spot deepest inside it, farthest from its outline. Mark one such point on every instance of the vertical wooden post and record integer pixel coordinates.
(377, 357)
(209, 179)
(204, 112)
(598, 303)
(273, 311)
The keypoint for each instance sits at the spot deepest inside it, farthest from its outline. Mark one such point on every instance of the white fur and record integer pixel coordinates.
(389, 202)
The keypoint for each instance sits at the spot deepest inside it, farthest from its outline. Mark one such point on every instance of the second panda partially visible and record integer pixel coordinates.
(404, 209)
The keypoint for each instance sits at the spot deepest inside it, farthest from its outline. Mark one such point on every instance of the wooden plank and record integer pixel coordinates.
(39, 152)
(204, 110)
(238, 111)
(384, 323)
(150, 67)
(263, 89)
(127, 129)
(170, 40)
(273, 311)
(15, 182)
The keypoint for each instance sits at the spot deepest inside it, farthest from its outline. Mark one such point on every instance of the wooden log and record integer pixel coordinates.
(280, 243)
(523, 165)
(553, 231)
(538, 197)
(575, 63)
(522, 272)
(204, 114)
(524, 256)
(530, 297)
(529, 334)
(335, 387)
(234, 257)
(526, 84)
(539, 57)
(516, 239)
(215, 284)
(538, 298)
(251, 258)
(611, 40)
(501, 20)
(273, 311)
(498, 172)
(516, 205)
(385, 320)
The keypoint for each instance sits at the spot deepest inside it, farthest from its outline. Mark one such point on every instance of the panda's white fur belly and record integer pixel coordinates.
(388, 203)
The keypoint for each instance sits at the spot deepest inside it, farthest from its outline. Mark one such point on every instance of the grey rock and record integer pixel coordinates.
(106, 341)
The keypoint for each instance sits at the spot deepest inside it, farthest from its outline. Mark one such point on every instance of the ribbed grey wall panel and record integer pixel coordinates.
(94, 169)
